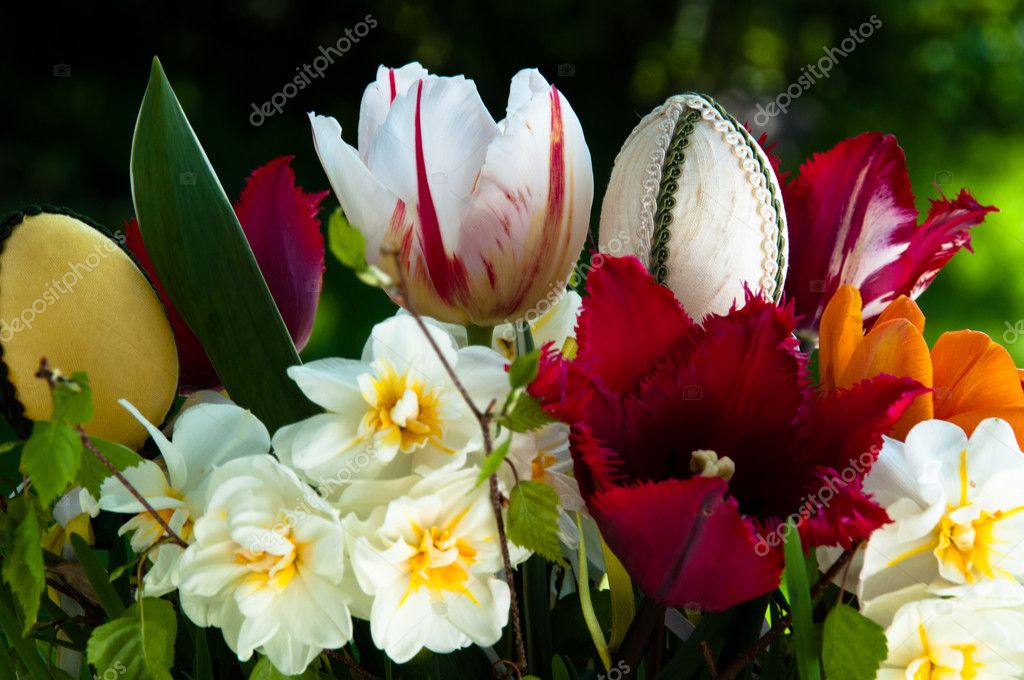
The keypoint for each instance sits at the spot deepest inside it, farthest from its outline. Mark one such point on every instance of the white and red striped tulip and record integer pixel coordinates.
(486, 218)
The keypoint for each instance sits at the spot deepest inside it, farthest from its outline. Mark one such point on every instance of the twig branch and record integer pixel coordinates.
(401, 292)
(352, 665)
(52, 378)
(748, 656)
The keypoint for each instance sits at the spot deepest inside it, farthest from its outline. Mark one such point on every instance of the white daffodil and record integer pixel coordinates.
(395, 412)
(543, 456)
(956, 507)
(548, 323)
(960, 638)
(429, 560)
(205, 436)
(267, 566)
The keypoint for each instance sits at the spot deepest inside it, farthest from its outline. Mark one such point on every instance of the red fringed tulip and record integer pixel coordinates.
(852, 220)
(487, 219)
(280, 222)
(694, 444)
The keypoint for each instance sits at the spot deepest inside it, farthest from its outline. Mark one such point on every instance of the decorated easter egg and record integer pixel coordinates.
(69, 293)
(695, 197)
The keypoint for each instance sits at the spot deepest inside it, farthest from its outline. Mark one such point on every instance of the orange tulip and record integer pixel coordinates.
(972, 377)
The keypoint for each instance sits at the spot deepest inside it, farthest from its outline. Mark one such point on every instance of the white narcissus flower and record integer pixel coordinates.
(267, 566)
(956, 507)
(543, 456)
(393, 413)
(428, 559)
(205, 436)
(554, 324)
(486, 218)
(971, 638)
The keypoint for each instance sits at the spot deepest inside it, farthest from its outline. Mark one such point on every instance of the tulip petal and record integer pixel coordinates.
(973, 373)
(429, 151)
(850, 212)
(844, 438)
(748, 363)
(844, 428)
(622, 297)
(894, 348)
(903, 308)
(679, 563)
(945, 231)
(841, 332)
(537, 186)
(368, 204)
(377, 99)
(281, 225)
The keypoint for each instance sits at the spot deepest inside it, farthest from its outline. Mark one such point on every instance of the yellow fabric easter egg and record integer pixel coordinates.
(70, 293)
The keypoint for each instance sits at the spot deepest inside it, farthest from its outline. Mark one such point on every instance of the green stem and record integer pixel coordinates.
(536, 591)
(480, 335)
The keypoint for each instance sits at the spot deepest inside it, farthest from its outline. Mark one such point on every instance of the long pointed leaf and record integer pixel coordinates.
(205, 263)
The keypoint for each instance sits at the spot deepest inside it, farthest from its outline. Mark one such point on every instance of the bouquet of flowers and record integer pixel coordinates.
(713, 443)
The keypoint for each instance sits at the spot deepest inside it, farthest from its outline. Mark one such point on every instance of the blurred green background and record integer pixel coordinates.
(945, 76)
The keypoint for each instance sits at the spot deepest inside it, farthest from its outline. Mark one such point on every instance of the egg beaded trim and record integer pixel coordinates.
(672, 170)
(653, 235)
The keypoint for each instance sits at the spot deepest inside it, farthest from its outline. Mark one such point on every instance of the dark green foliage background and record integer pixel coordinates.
(945, 76)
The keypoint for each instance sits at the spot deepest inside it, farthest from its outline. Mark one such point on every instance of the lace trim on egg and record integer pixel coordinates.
(759, 174)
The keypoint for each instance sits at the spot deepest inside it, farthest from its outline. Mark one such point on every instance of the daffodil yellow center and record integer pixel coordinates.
(540, 464)
(269, 570)
(402, 410)
(943, 663)
(147, 527)
(441, 562)
(967, 546)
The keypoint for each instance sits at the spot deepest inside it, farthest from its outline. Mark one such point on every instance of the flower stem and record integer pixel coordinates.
(401, 294)
(480, 335)
(748, 656)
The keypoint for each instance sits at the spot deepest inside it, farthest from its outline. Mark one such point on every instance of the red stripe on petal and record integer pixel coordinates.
(448, 276)
(556, 163)
(394, 88)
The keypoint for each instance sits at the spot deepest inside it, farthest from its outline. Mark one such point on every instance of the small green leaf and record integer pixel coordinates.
(264, 670)
(800, 606)
(493, 461)
(524, 369)
(23, 557)
(93, 472)
(533, 519)
(51, 458)
(854, 646)
(138, 644)
(525, 415)
(558, 669)
(346, 242)
(7, 447)
(72, 400)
